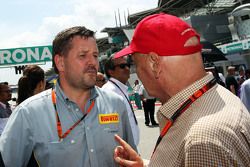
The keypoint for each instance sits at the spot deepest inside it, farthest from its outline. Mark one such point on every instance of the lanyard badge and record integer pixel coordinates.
(58, 122)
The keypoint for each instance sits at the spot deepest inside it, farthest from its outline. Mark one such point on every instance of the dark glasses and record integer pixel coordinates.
(122, 66)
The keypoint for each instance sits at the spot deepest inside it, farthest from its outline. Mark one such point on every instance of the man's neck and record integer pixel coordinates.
(79, 96)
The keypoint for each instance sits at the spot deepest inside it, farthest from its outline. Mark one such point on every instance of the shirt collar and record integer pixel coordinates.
(121, 85)
(169, 108)
(61, 94)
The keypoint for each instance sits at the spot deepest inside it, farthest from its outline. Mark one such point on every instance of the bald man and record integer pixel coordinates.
(201, 122)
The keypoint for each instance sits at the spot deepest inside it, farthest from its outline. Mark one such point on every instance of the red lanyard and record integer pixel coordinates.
(182, 109)
(59, 126)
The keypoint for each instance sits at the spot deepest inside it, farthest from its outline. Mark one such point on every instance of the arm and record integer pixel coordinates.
(142, 98)
(125, 156)
(141, 93)
(16, 142)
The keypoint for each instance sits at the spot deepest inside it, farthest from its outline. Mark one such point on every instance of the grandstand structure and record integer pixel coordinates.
(211, 18)
(184, 8)
(180, 8)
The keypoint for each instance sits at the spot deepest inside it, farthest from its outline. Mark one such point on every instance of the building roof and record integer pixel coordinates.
(103, 44)
(184, 8)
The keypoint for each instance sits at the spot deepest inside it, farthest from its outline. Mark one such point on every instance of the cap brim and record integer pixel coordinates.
(123, 52)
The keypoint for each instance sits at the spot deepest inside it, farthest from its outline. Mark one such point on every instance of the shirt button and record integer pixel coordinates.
(68, 107)
(77, 109)
(91, 150)
(87, 128)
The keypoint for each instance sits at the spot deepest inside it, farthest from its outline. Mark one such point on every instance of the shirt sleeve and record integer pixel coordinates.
(141, 90)
(245, 94)
(16, 142)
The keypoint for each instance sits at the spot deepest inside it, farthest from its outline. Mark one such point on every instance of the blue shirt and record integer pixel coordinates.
(32, 129)
(245, 93)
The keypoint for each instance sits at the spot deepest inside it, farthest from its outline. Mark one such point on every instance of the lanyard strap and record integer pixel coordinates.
(58, 122)
(182, 109)
(126, 99)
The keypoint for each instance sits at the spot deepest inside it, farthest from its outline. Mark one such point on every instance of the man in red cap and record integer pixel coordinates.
(201, 122)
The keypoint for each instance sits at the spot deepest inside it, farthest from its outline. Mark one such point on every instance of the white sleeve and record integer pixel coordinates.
(141, 90)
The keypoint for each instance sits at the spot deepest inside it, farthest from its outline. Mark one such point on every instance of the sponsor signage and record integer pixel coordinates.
(109, 118)
(22, 56)
(235, 47)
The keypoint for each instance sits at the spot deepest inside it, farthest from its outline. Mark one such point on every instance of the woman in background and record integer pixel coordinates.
(31, 83)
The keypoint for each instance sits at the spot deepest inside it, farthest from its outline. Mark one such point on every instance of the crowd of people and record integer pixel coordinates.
(87, 119)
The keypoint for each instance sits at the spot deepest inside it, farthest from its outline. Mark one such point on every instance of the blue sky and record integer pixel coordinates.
(26, 23)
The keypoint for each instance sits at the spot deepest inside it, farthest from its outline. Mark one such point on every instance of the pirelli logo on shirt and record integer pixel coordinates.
(109, 118)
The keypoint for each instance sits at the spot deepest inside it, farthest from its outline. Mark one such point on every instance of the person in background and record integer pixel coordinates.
(100, 79)
(231, 82)
(241, 77)
(148, 103)
(222, 78)
(5, 96)
(136, 89)
(5, 108)
(118, 72)
(247, 73)
(201, 122)
(216, 75)
(32, 82)
(72, 124)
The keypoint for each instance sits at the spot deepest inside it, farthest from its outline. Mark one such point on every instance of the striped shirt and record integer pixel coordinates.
(213, 131)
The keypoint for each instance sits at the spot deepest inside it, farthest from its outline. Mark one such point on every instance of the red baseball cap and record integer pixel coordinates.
(163, 34)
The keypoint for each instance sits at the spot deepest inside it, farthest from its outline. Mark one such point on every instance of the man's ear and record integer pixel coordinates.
(111, 72)
(155, 64)
(59, 62)
(41, 85)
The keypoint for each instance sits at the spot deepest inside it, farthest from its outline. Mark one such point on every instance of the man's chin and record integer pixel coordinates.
(91, 85)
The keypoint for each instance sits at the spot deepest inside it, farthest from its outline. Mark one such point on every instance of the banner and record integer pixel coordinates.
(22, 56)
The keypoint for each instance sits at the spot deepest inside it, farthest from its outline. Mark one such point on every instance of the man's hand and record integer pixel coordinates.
(125, 156)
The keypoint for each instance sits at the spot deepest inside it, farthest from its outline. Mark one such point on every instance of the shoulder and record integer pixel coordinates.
(220, 111)
(108, 101)
(108, 86)
(109, 95)
(221, 125)
(37, 102)
(221, 138)
(246, 84)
